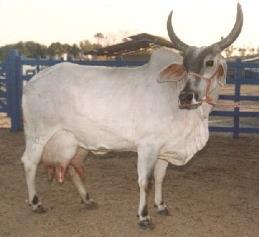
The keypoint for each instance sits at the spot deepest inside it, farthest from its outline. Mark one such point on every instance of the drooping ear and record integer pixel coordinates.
(222, 73)
(172, 73)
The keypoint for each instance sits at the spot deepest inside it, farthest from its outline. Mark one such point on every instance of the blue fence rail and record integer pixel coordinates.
(242, 74)
(3, 89)
(12, 75)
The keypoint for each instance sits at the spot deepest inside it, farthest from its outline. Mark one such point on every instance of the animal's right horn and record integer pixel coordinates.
(176, 42)
(227, 41)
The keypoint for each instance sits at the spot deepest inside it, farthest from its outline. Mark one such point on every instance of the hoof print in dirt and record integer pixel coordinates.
(146, 224)
(40, 209)
(164, 212)
(91, 206)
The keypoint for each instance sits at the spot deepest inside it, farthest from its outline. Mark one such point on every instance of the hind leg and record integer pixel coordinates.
(78, 183)
(31, 159)
(62, 152)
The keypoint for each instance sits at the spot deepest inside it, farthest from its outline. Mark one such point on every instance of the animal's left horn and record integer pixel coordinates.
(176, 42)
(227, 41)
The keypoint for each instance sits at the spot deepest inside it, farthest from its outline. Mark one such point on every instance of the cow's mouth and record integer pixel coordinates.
(190, 106)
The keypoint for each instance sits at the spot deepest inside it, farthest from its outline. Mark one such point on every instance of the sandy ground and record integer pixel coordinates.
(215, 194)
(4, 121)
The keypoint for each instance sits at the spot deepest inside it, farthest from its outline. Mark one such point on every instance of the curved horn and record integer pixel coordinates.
(227, 41)
(176, 42)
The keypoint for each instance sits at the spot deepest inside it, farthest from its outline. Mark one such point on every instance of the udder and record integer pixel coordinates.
(60, 152)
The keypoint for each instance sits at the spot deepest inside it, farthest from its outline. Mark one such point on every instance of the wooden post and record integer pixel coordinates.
(14, 89)
(238, 82)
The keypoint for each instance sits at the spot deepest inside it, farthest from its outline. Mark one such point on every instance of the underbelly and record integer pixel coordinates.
(103, 142)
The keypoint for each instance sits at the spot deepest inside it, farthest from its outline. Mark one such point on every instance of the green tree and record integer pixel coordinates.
(86, 45)
(242, 51)
(28, 49)
(56, 49)
(34, 50)
(99, 37)
(74, 51)
(252, 51)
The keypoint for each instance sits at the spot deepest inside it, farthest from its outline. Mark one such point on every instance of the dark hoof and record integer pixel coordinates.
(40, 209)
(91, 206)
(164, 212)
(146, 224)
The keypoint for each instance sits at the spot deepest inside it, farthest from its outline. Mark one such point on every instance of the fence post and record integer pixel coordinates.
(118, 62)
(14, 89)
(37, 65)
(237, 80)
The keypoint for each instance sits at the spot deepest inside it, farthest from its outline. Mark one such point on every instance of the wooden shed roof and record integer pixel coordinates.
(134, 43)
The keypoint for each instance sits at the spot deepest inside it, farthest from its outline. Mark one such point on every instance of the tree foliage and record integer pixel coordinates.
(29, 49)
(33, 50)
(57, 49)
(86, 45)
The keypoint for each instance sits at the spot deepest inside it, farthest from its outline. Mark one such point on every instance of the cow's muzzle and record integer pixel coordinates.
(187, 100)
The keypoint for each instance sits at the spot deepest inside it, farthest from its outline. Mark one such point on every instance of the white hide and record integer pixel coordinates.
(115, 109)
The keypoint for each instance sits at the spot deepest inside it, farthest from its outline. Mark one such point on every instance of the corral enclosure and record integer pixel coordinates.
(215, 194)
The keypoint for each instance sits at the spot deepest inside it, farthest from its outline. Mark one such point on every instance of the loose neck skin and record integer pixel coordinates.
(207, 108)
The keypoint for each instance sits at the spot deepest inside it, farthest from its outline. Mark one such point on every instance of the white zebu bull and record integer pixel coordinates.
(69, 106)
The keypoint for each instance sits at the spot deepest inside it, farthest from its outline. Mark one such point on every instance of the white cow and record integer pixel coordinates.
(69, 106)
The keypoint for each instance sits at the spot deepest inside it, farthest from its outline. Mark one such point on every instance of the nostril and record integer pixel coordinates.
(182, 96)
(189, 96)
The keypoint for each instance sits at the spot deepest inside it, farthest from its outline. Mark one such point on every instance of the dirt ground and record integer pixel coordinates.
(215, 194)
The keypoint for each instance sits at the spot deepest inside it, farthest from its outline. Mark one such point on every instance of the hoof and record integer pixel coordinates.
(91, 205)
(146, 224)
(164, 212)
(39, 209)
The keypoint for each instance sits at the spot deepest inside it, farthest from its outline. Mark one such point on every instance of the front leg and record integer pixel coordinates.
(147, 156)
(159, 175)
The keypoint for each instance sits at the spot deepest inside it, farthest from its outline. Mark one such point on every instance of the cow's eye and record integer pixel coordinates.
(209, 63)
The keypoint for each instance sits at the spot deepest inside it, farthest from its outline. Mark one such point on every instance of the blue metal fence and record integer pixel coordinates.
(241, 76)
(3, 89)
(12, 75)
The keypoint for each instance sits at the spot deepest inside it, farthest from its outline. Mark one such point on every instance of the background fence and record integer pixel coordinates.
(3, 90)
(239, 73)
(16, 70)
